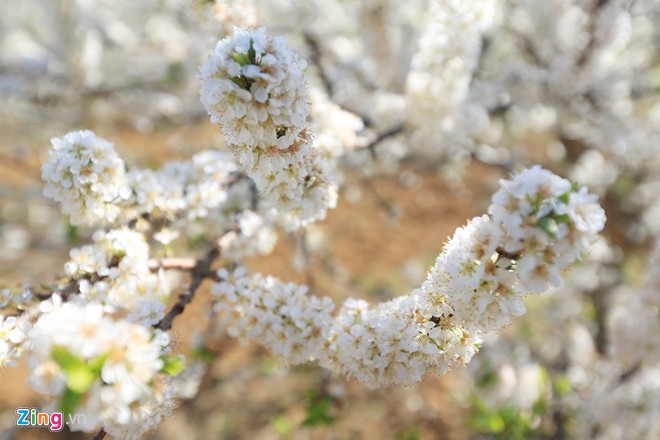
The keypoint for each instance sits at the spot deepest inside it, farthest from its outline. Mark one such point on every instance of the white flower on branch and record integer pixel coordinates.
(476, 286)
(112, 366)
(438, 85)
(114, 271)
(86, 177)
(254, 87)
(13, 336)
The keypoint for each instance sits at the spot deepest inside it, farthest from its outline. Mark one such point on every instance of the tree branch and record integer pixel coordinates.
(184, 264)
(371, 146)
(200, 271)
(315, 59)
(100, 435)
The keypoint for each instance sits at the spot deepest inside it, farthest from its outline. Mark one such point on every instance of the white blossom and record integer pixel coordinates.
(475, 287)
(86, 177)
(254, 87)
(129, 357)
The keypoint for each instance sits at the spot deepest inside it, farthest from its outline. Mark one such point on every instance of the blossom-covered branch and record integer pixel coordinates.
(538, 225)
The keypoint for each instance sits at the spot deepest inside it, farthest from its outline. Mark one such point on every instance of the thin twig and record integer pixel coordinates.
(99, 435)
(590, 48)
(315, 58)
(371, 146)
(201, 271)
(184, 264)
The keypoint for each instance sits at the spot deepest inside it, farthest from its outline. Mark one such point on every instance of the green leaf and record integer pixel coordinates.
(251, 53)
(409, 434)
(69, 401)
(549, 225)
(487, 379)
(203, 354)
(79, 379)
(241, 82)
(540, 407)
(563, 386)
(172, 364)
(71, 233)
(317, 413)
(495, 424)
(80, 374)
(64, 359)
(241, 58)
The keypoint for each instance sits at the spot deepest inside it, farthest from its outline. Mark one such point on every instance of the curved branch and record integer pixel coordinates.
(200, 271)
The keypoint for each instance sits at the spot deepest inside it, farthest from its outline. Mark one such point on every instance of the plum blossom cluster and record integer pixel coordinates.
(102, 367)
(117, 372)
(206, 195)
(476, 285)
(281, 316)
(114, 271)
(537, 199)
(13, 335)
(538, 225)
(20, 310)
(86, 177)
(438, 84)
(293, 183)
(254, 87)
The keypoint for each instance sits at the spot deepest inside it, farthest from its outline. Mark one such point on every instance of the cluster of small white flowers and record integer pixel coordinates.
(86, 177)
(194, 187)
(16, 299)
(538, 225)
(153, 409)
(13, 336)
(205, 195)
(165, 393)
(475, 286)
(395, 343)
(438, 83)
(280, 316)
(293, 183)
(537, 200)
(255, 236)
(125, 357)
(254, 87)
(202, 196)
(114, 271)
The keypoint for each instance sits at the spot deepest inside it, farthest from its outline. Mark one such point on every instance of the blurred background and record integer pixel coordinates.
(572, 85)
